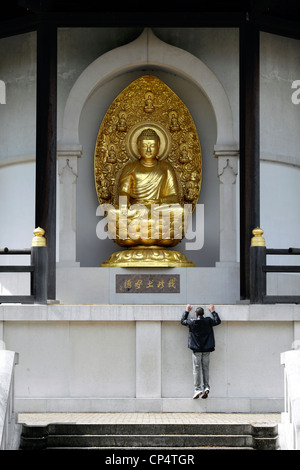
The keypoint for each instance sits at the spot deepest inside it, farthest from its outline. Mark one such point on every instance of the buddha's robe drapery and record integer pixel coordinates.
(161, 220)
(148, 184)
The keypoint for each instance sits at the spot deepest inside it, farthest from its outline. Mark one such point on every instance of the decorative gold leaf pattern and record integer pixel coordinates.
(148, 102)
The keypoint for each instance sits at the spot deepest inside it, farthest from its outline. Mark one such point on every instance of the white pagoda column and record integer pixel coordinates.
(68, 173)
(227, 173)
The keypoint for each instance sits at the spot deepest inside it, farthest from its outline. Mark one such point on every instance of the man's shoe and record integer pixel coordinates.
(205, 394)
(197, 394)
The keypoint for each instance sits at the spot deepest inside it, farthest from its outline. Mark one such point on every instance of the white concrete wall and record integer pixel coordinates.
(98, 286)
(279, 67)
(135, 358)
(280, 154)
(9, 431)
(280, 215)
(17, 207)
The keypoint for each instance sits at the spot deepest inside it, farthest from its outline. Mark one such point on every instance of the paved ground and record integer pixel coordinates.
(152, 418)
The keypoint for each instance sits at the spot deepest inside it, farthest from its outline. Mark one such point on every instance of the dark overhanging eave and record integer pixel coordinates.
(284, 26)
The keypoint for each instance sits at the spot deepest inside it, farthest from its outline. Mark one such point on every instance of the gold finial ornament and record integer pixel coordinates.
(156, 164)
(39, 239)
(258, 239)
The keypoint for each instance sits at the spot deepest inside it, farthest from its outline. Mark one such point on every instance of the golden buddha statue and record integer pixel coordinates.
(150, 181)
(148, 212)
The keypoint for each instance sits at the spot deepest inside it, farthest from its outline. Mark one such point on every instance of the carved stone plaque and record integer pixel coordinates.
(147, 283)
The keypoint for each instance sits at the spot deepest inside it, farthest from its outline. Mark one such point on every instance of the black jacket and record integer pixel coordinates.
(201, 333)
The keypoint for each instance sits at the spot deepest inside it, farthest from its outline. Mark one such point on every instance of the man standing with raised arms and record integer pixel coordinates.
(202, 342)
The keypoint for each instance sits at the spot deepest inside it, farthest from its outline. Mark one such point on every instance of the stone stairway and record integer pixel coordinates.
(149, 436)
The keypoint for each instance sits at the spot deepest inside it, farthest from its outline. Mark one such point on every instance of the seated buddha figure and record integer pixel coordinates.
(149, 212)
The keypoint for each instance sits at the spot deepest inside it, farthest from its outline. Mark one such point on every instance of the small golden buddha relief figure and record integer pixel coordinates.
(191, 190)
(149, 107)
(111, 154)
(174, 124)
(151, 164)
(105, 193)
(122, 125)
(185, 156)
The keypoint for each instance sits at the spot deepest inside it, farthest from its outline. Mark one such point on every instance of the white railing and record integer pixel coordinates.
(291, 416)
(8, 427)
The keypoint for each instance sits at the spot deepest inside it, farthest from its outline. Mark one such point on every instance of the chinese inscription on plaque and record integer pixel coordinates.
(147, 283)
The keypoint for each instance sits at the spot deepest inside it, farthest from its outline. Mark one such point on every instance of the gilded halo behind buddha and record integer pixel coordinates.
(148, 172)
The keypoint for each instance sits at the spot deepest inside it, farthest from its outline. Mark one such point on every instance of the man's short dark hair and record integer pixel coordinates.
(199, 311)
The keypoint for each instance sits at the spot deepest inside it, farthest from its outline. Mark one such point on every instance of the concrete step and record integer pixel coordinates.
(183, 450)
(140, 436)
(161, 428)
(160, 440)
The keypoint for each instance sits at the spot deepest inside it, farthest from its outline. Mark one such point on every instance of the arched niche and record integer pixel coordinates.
(147, 50)
(145, 53)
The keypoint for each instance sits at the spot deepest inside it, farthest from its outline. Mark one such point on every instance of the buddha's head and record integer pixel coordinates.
(148, 143)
